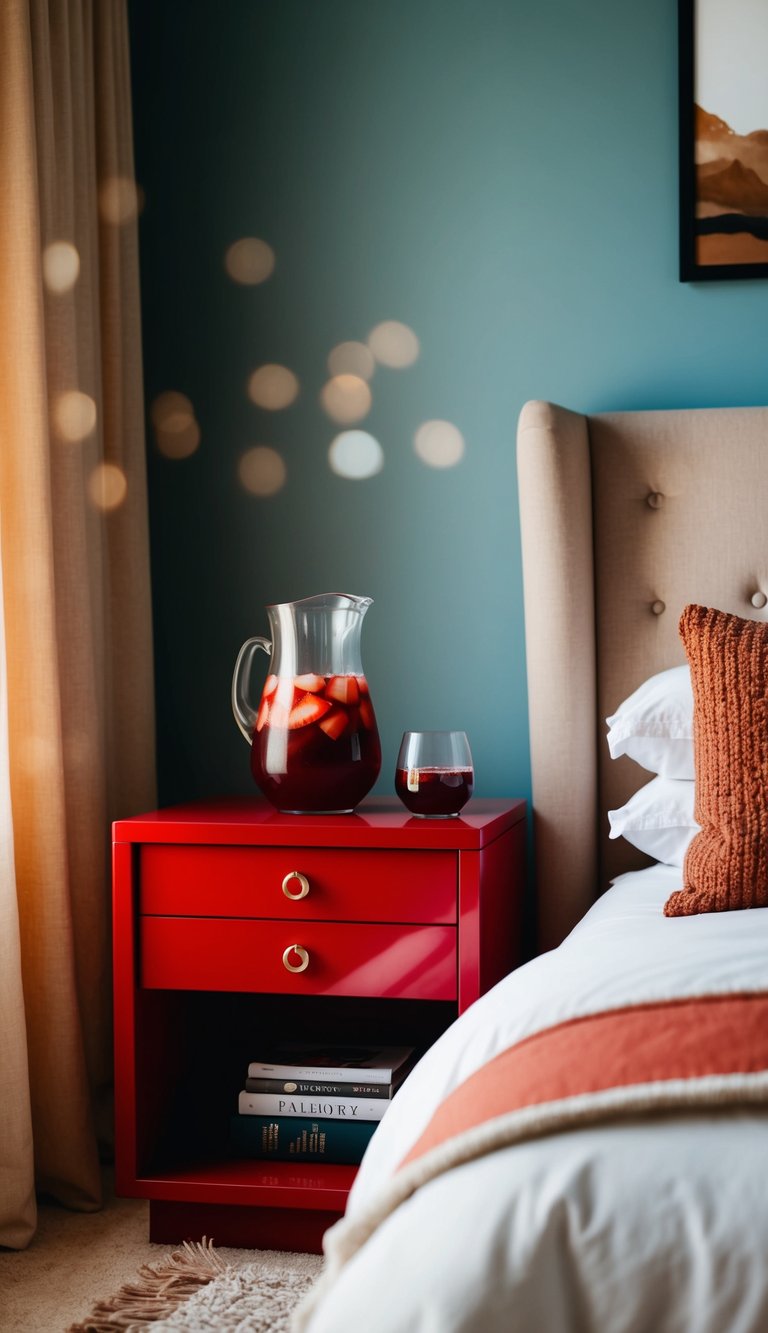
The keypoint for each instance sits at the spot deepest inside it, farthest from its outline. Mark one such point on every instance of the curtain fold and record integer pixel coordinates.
(74, 554)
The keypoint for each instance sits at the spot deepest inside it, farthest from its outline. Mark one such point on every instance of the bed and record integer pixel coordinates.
(639, 1206)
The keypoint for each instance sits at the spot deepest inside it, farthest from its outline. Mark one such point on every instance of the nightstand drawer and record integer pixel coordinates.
(401, 962)
(312, 883)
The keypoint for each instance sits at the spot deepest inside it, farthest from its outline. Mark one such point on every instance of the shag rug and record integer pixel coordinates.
(196, 1290)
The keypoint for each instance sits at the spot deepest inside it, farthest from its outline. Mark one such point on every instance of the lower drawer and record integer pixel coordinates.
(229, 954)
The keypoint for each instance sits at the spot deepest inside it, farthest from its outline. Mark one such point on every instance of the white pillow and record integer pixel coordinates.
(658, 819)
(654, 726)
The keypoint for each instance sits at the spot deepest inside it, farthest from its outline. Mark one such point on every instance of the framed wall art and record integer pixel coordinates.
(723, 139)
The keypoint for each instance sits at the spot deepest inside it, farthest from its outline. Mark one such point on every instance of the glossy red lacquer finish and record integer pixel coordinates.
(398, 909)
(340, 885)
(197, 953)
(300, 1230)
(379, 822)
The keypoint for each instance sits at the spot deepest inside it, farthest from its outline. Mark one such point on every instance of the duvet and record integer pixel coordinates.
(657, 1220)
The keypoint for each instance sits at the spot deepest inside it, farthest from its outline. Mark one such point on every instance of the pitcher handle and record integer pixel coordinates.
(245, 714)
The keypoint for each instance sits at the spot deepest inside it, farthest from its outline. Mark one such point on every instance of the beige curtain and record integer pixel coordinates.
(76, 687)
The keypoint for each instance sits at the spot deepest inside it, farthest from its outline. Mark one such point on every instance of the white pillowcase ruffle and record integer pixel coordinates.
(654, 725)
(658, 819)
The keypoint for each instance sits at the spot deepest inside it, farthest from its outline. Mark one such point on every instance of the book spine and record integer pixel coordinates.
(258, 1069)
(306, 1088)
(289, 1139)
(324, 1108)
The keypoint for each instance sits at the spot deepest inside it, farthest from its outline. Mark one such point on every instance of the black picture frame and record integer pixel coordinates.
(692, 228)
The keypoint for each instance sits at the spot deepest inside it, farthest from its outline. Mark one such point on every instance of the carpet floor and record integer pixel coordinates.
(78, 1259)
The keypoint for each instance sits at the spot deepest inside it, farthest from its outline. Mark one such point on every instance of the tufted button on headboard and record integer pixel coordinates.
(625, 518)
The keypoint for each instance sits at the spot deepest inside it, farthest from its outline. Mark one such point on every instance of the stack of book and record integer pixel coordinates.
(310, 1103)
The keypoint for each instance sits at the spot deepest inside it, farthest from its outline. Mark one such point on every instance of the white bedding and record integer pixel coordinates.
(658, 1224)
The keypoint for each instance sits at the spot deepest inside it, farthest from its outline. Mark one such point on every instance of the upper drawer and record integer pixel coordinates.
(312, 883)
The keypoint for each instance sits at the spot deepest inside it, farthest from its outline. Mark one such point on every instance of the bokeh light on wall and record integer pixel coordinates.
(74, 415)
(346, 398)
(261, 470)
(352, 358)
(107, 487)
(177, 433)
(439, 444)
(61, 266)
(249, 261)
(394, 344)
(273, 387)
(120, 200)
(356, 454)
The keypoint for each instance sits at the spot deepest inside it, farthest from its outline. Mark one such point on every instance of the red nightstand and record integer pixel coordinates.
(405, 922)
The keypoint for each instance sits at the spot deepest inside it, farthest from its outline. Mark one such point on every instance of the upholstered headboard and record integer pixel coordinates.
(626, 517)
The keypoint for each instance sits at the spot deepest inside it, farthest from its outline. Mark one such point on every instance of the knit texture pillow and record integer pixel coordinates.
(726, 865)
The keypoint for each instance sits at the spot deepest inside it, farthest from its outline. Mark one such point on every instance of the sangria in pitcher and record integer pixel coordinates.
(314, 741)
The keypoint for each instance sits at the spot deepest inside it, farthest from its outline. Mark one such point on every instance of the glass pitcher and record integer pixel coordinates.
(314, 741)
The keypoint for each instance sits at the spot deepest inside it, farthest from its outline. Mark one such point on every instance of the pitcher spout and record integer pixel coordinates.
(328, 601)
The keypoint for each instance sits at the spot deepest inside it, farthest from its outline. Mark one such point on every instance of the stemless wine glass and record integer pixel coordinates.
(434, 775)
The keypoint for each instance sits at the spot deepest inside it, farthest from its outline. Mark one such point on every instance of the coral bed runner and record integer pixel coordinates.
(679, 1054)
(708, 1037)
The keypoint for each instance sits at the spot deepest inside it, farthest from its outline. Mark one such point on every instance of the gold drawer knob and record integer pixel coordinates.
(303, 958)
(303, 885)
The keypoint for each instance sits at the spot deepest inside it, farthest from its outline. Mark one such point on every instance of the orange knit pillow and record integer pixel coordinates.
(726, 865)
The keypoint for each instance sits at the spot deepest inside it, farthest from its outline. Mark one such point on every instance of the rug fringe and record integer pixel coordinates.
(159, 1290)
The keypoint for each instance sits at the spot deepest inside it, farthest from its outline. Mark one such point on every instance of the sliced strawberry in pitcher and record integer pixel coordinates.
(367, 716)
(283, 698)
(335, 723)
(343, 689)
(309, 683)
(307, 710)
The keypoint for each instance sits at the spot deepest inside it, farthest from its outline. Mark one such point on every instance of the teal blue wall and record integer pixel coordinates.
(500, 176)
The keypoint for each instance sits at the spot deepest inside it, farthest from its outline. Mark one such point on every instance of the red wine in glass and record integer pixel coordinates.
(434, 775)
(434, 791)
